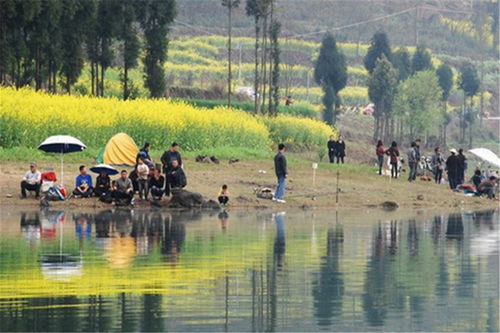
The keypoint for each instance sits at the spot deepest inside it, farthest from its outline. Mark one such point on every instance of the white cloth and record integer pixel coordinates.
(32, 177)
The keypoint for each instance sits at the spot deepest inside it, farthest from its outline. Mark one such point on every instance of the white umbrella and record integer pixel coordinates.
(62, 144)
(486, 155)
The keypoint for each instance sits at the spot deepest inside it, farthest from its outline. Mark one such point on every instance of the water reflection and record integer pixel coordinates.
(128, 270)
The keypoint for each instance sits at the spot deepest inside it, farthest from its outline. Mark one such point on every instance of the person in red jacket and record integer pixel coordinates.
(380, 151)
(393, 153)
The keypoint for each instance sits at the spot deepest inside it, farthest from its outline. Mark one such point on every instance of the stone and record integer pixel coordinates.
(420, 197)
(185, 199)
(389, 205)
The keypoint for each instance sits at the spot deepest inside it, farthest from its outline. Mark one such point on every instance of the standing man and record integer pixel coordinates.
(462, 166)
(167, 160)
(417, 156)
(331, 149)
(340, 149)
(31, 181)
(412, 162)
(452, 166)
(281, 173)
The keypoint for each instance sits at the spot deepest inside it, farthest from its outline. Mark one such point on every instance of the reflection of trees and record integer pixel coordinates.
(328, 288)
(265, 283)
(412, 238)
(375, 297)
(152, 317)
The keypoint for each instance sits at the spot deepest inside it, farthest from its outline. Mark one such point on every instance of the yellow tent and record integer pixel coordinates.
(120, 150)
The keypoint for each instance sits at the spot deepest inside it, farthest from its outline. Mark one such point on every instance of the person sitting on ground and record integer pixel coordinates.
(31, 181)
(155, 184)
(123, 188)
(142, 179)
(83, 184)
(487, 187)
(340, 149)
(176, 177)
(166, 159)
(144, 154)
(223, 195)
(476, 179)
(102, 184)
(393, 153)
(380, 151)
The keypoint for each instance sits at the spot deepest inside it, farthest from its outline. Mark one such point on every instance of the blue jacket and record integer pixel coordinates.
(80, 180)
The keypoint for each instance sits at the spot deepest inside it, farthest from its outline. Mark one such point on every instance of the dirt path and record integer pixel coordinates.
(359, 186)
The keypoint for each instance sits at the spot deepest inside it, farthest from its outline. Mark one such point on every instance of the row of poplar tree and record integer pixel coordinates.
(47, 42)
(424, 88)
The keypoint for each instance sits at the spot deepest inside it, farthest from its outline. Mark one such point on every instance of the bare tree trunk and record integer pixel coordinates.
(92, 78)
(256, 78)
(229, 72)
(264, 61)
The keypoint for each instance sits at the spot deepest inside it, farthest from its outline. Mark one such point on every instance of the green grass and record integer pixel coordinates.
(297, 109)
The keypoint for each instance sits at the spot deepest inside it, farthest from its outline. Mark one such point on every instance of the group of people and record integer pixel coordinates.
(336, 149)
(146, 179)
(455, 166)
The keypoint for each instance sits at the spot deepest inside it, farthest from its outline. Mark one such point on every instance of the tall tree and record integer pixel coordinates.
(330, 73)
(445, 80)
(74, 21)
(229, 4)
(131, 45)
(274, 95)
(469, 82)
(379, 46)
(402, 62)
(417, 101)
(421, 60)
(255, 9)
(381, 89)
(155, 19)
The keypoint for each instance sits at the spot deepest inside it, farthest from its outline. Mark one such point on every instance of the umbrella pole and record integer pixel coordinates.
(62, 169)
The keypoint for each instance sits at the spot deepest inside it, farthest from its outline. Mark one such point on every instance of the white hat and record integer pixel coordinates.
(454, 151)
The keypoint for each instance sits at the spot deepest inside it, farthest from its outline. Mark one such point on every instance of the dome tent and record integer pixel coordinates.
(120, 150)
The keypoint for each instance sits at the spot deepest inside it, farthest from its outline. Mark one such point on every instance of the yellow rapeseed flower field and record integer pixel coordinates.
(28, 117)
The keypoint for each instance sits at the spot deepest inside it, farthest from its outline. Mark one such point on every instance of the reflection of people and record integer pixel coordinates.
(83, 225)
(30, 226)
(223, 220)
(279, 241)
(31, 181)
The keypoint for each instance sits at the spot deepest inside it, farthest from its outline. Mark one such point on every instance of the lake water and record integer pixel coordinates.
(300, 271)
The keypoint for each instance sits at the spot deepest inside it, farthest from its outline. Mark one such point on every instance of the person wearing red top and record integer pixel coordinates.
(380, 151)
(393, 153)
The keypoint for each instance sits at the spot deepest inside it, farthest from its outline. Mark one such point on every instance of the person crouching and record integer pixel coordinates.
(223, 195)
(123, 189)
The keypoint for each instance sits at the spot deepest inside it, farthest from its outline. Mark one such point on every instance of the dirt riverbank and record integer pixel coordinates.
(359, 186)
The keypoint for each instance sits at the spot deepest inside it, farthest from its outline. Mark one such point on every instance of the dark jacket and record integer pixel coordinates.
(159, 183)
(340, 148)
(144, 154)
(103, 182)
(280, 165)
(453, 165)
(332, 145)
(417, 153)
(393, 154)
(476, 180)
(461, 163)
(176, 178)
(168, 157)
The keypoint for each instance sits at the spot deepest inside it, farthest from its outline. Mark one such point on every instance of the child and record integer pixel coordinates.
(223, 195)
(142, 179)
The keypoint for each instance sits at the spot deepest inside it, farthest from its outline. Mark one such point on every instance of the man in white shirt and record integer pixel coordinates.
(31, 181)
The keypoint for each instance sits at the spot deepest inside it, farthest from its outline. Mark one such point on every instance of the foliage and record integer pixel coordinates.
(381, 86)
(469, 81)
(28, 117)
(445, 79)
(402, 62)
(330, 73)
(417, 102)
(421, 60)
(296, 109)
(379, 46)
